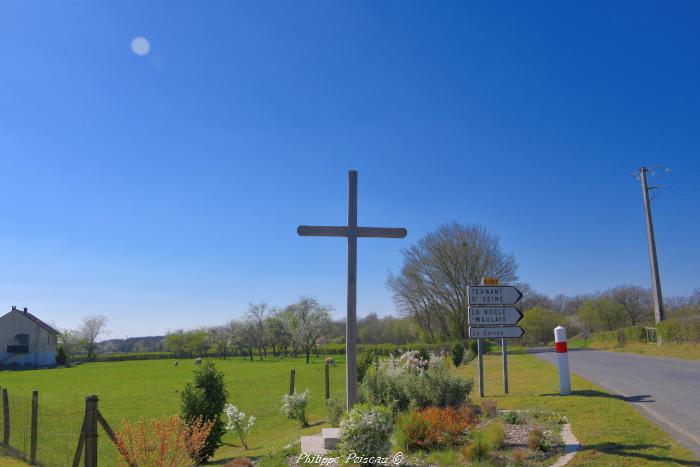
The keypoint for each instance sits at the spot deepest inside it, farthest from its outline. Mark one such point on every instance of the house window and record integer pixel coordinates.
(21, 344)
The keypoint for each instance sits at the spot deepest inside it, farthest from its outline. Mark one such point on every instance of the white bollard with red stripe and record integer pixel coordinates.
(562, 360)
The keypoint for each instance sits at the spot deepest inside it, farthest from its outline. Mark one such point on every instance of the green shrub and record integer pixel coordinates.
(494, 435)
(364, 363)
(61, 356)
(336, 410)
(535, 439)
(457, 353)
(478, 449)
(512, 417)
(294, 406)
(366, 431)
(468, 357)
(205, 397)
(438, 387)
(635, 334)
(679, 331)
(398, 385)
(386, 387)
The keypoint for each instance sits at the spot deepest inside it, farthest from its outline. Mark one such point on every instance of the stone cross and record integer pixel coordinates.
(352, 232)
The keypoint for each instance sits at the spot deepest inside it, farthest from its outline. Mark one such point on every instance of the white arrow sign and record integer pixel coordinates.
(493, 295)
(496, 332)
(485, 315)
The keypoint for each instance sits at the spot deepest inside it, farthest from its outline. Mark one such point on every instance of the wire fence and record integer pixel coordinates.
(56, 428)
(59, 414)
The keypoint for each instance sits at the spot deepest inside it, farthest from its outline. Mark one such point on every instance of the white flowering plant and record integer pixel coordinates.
(413, 361)
(294, 406)
(366, 430)
(412, 380)
(239, 422)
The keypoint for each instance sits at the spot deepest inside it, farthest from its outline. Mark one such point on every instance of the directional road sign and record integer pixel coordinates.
(501, 315)
(496, 332)
(493, 295)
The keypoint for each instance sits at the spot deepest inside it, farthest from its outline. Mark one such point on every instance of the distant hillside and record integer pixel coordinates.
(132, 344)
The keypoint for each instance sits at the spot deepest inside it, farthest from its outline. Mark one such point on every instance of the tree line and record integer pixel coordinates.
(295, 329)
(431, 288)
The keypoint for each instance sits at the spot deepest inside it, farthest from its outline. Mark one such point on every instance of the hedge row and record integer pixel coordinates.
(621, 336)
(120, 357)
(679, 331)
(382, 349)
(325, 349)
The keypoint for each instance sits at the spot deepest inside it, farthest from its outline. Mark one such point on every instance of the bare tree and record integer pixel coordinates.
(432, 284)
(90, 329)
(311, 321)
(242, 334)
(637, 302)
(71, 342)
(532, 298)
(257, 313)
(278, 333)
(219, 337)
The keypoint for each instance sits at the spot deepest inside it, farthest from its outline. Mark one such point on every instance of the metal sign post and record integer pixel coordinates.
(504, 358)
(492, 316)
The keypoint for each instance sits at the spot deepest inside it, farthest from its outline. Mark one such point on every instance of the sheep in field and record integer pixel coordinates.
(198, 361)
(177, 364)
(330, 361)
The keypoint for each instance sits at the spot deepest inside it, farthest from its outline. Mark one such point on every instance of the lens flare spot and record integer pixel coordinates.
(140, 46)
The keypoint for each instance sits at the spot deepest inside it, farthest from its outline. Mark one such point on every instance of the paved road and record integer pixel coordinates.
(666, 389)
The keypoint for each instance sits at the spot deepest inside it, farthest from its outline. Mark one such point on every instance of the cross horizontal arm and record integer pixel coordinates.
(381, 232)
(341, 231)
(322, 231)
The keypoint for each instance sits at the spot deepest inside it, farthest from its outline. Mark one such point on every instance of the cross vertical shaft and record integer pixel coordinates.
(351, 327)
(352, 232)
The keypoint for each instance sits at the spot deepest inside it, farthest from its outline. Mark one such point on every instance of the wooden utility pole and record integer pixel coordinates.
(651, 241)
(352, 232)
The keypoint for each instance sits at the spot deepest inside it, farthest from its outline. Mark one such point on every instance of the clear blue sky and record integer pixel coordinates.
(164, 190)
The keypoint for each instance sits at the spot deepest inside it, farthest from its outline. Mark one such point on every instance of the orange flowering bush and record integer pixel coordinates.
(164, 442)
(436, 427)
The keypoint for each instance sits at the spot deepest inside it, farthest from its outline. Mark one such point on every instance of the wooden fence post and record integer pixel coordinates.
(291, 382)
(5, 417)
(35, 423)
(328, 383)
(91, 431)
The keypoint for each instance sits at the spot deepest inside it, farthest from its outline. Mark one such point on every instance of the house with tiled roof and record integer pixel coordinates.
(26, 341)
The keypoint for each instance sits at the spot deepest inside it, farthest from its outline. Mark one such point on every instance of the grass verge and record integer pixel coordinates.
(610, 430)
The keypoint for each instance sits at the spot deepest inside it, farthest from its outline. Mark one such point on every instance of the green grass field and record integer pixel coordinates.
(611, 431)
(150, 389)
